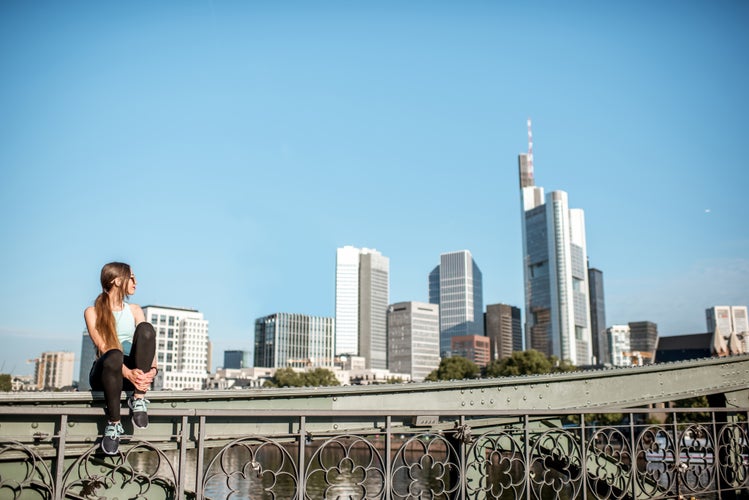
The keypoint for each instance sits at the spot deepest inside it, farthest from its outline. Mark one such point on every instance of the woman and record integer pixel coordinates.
(126, 348)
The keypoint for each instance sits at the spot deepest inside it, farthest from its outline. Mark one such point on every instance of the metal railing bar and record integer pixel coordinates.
(199, 472)
(379, 412)
(60, 465)
(181, 472)
(301, 480)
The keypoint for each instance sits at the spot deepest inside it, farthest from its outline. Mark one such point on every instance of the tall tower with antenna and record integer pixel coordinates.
(557, 309)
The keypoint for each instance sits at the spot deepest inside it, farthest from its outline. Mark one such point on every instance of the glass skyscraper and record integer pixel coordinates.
(293, 340)
(557, 309)
(456, 285)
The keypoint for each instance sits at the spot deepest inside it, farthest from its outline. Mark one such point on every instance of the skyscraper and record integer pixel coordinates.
(504, 328)
(182, 347)
(598, 317)
(557, 310)
(361, 302)
(456, 285)
(285, 340)
(413, 338)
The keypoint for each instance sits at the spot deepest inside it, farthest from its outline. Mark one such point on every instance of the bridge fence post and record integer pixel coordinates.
(716, 455)
(463, 466)
(633, 447)
(200, 449)
(183, 459)
(301, 482)
(60, 466)
(677, 455)
(583, 457)
(388, 459)
(527, 452)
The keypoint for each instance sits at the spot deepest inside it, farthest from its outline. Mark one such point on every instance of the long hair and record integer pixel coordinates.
(104, 318)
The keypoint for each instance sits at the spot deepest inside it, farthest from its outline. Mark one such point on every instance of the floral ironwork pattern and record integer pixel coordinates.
(609, 463)
(655, 461)
(253, 467)
(495, 466)
(555, 469)
(345, 467)
(141, 472)
(733, 455)
(696, 461)
(30, 477)
(426, 466)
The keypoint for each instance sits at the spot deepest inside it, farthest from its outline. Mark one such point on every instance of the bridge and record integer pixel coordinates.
(590, 434)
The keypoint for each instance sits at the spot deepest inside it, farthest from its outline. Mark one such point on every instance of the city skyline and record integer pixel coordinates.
(225, 151)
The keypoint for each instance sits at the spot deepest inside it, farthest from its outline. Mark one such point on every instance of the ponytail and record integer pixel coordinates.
(105, 322)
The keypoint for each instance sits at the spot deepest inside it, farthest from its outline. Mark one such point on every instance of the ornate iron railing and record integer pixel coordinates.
(383, 455)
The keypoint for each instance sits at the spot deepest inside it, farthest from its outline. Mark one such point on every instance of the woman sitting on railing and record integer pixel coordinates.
(126, 348)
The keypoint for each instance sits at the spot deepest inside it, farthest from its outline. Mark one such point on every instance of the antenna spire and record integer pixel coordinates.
(530, 146)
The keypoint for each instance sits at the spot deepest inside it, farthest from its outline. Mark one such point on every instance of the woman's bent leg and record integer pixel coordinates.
(143, 350)
(106, 376)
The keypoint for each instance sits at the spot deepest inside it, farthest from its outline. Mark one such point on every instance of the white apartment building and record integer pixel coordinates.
(182, 347)
(54, 370)
(619, 345)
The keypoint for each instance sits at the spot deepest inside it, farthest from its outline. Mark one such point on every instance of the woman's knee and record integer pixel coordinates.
(112, 360)
(144, 332)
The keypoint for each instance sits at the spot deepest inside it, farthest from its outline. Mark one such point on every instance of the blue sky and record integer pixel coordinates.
(226, 149)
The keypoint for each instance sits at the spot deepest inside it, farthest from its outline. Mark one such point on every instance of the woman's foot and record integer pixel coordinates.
(110, 441)
(139, 411)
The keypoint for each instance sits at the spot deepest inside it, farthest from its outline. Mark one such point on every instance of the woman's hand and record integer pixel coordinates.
(141, 380)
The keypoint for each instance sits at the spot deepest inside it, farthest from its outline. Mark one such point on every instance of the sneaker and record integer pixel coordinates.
(110, 441)
(139, 411)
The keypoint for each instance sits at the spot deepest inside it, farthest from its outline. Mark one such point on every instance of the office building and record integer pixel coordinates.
(643, 339)
(361, 302)
(456, 286)
(598, 317)
(619, 345)
(731, 321)
(237, 359)
(54, 370)
(285, 340)
(182, 347)
(504, 329)
(413, 338)
(472, 347)
(557, 309)
(88, 357)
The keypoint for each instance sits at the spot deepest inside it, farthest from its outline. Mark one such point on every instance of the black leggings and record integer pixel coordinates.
(106, 374)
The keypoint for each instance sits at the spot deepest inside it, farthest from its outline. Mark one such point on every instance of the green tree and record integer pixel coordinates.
(454, 368)
(530, 362)
(5, 382)
(320, 377)
(287, 377)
